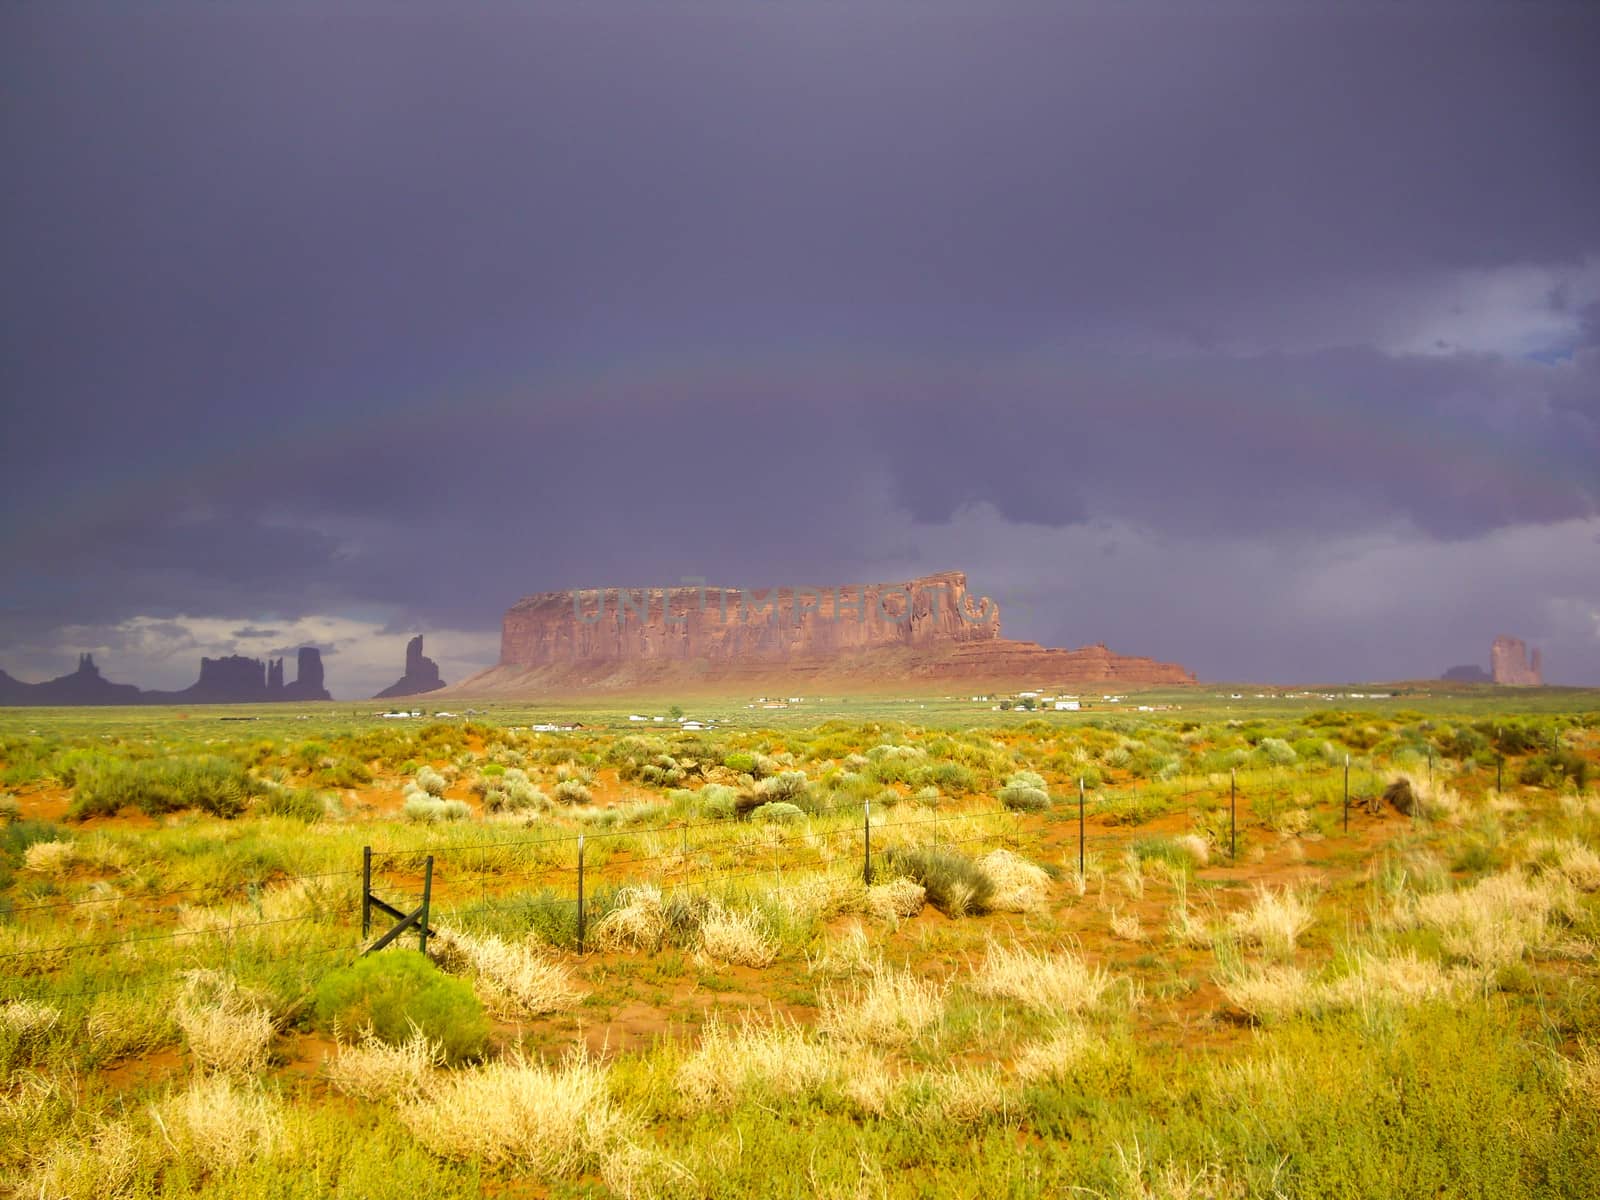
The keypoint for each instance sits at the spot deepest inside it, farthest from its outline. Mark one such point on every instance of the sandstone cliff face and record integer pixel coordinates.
(746, 626)
(422, 674)
(920, 632)
(1512, 666)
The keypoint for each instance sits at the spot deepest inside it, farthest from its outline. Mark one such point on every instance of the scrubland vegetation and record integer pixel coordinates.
(833, 957)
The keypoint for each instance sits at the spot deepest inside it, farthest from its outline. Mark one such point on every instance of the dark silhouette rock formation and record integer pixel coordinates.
(84, 686)
(307, 683)
(1512, 666)
(233, 679)
(924, 632)
(422, 674)
(1471, 673)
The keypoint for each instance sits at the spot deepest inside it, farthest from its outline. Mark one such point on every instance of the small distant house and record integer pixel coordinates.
(1066, 706)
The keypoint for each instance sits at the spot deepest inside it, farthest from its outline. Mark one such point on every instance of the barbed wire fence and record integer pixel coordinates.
(575, 875)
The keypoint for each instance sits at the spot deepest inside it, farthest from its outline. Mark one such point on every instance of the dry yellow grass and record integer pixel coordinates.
(1400, 979)
(736, 937)
(847, 954)
(1275, 919)
(969, 1096)
(103, 1164)
(1131, 877)
(558, 1121)
(775, 1056)
(1574, 860)
(515, 979)
(899, 897)
(1126, 926)
(51, 859)
(1494, 922)
(225, 1028)
(1019, 885)
(891, 1009)
(25, 1020)
(1055, 1054)
(638, 922)
(372, 1069)
(1269, 992)
(821, 897)
(220, 1124)
(1055, 981)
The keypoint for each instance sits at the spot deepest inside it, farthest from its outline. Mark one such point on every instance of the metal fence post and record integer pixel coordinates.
(580, 894)
(1233, 813)
(866, 836)
(427, 898)
(366, 892)
(1347, 793)
(1080, 826)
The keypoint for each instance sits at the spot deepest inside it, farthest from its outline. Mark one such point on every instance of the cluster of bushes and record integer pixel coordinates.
(510, 790)
(105, 786)
(301, 803)
(1554, 769)
(424, 800)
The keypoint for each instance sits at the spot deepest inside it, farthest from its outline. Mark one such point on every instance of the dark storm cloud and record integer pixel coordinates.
(314, 308)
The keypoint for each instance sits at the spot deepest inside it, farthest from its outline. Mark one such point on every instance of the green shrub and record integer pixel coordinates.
(741, 761)
(717, 801)
(1277, 751)
(215, 785)
(1025, 792)
(1549, 770)
(341, 772)
(952, 777)
(955, 884)
(512, 791)
(1168, 850)
(570, 791)
(778, 811)
(392, 992)
(429, 809)
(303, 804)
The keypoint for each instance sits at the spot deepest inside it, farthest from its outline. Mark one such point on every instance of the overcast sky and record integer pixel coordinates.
(1260, 337)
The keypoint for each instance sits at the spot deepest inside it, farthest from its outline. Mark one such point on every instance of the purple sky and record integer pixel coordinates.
(1261, 337)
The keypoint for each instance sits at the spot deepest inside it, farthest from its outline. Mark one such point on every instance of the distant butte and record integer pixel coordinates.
(924, 632)
(422, 674)
(233, 679)
(1512, 666)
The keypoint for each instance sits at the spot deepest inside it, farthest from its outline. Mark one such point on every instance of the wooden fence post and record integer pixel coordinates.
(427, 900)
(366, 892)
(581, 929)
